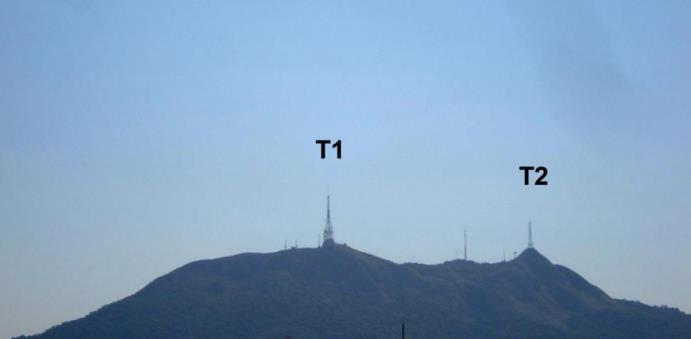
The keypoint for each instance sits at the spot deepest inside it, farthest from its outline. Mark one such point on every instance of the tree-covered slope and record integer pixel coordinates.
(338, 292)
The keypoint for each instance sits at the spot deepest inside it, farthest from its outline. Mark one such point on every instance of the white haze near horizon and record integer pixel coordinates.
(138, 136)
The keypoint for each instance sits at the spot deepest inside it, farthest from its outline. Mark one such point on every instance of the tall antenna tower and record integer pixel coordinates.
(530, 234)
(465, 245)
(328, 228)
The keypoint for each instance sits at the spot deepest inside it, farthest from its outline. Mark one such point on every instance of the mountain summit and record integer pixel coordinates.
(339, 292)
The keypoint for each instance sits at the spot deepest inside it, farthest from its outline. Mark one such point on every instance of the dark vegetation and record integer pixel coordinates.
(338, 292)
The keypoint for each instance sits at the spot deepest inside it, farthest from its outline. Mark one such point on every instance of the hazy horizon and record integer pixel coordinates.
(137, 137)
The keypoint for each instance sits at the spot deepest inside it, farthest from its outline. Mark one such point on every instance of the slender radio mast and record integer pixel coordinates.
(465, 245)
(328, 228)
(530, 234)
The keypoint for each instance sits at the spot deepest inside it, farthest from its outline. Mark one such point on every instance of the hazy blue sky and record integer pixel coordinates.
(135, 138)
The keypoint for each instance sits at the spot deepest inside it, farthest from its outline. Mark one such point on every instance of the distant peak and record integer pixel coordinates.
(532, 257)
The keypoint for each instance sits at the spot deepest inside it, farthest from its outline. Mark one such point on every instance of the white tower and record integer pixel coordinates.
(328, 228)
(465, 245)
(530, 234)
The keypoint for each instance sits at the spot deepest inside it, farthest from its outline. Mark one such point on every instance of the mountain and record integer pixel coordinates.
(338, 292)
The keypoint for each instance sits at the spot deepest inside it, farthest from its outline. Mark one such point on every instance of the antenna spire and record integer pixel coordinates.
(530, 234)
(328, 228)
(465, 245)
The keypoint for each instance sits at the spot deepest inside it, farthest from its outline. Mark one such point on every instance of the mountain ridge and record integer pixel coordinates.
(339, 292)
